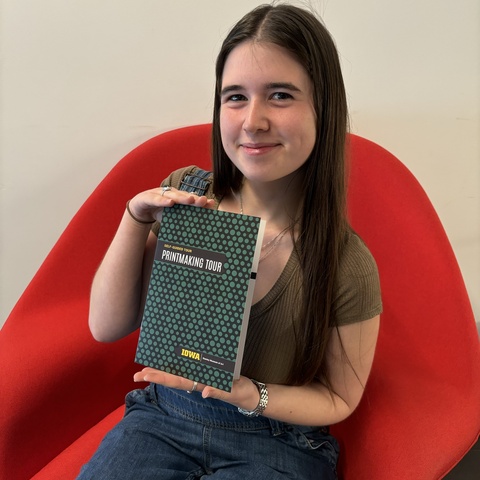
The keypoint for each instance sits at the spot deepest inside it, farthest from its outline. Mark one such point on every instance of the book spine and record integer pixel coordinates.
(249, 300)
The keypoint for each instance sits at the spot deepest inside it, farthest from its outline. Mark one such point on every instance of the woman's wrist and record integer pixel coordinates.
(262, 402)
(137, 219)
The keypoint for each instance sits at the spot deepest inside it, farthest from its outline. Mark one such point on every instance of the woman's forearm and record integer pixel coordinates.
(349, 360)
(117, 289)
(306, 405)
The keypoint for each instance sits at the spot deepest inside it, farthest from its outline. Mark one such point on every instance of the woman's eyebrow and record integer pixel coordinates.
(230, 88)
(284, 85)
(269, 86)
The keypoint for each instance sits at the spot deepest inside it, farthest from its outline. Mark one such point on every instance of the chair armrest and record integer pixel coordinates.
(56, 383)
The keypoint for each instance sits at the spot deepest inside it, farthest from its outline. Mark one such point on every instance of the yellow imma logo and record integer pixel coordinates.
(190, 354)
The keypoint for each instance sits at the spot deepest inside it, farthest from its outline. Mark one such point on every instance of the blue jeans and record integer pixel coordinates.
(172, 435)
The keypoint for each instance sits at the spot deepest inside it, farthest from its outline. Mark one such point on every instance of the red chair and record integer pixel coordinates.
(61, 391)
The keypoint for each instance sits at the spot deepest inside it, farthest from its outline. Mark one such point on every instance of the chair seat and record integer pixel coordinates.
(67, 465)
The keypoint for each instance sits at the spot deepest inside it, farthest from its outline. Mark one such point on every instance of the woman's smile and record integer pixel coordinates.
(256, 149)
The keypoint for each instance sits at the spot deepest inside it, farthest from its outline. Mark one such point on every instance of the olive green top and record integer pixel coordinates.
(270, 346)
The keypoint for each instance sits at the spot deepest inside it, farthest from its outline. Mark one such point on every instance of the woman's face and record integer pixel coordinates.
(267, 117)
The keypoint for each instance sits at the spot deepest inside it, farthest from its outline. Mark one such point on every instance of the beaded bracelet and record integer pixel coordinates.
(143, 222)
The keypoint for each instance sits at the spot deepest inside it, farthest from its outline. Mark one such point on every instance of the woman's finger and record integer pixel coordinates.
(166, 379)
(183, 197)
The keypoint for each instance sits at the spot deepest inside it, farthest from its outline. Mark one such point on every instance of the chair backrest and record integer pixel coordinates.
(420, 411)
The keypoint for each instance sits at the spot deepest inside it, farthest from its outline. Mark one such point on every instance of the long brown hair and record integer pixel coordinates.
(323, 224)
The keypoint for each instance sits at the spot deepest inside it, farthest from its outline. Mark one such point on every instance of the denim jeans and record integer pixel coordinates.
(173, 435)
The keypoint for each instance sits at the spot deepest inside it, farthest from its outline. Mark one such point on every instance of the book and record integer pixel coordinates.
(201, 288)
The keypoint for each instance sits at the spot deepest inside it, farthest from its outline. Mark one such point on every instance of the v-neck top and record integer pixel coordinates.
(270, 342)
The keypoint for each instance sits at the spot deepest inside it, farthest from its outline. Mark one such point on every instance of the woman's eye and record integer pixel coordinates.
(281, 96)
(237, 97)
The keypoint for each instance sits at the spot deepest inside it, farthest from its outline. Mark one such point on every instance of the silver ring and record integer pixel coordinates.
(194, 388)
(166, 189)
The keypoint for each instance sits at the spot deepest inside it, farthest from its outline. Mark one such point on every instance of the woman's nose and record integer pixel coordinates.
(256, 117)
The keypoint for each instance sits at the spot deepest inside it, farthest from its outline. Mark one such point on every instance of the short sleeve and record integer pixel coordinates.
(358, 293)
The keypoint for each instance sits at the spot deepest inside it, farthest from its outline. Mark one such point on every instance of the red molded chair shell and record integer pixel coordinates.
(61, 391)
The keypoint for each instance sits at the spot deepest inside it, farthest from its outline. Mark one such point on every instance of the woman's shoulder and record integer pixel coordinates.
(358, 293)
(175, 180)
(356, 259)
(177, 176)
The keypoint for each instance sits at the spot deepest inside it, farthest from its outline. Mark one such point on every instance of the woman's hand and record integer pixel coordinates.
(148, 206)
(244, 393)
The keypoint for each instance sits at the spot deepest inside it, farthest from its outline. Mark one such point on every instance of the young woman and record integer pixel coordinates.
(279, 133)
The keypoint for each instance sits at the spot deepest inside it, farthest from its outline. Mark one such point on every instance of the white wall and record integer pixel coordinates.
(83, 82)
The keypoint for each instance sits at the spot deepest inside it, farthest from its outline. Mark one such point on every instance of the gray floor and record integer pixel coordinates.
(469, 467)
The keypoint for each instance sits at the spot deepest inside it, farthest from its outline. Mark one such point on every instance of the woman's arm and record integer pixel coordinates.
(349, 360)
(121, 282)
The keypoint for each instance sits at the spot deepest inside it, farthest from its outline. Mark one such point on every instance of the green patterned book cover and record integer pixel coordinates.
(200, 293)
